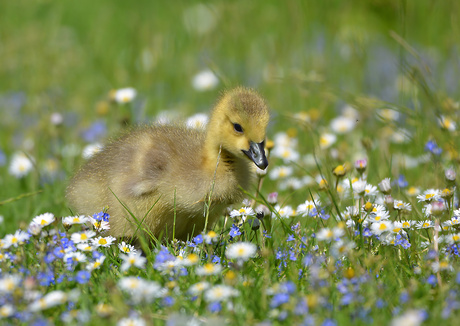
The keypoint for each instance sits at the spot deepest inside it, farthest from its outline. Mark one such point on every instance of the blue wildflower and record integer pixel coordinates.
(96, 131)
(452, 250)
(433, 148)
(291, 237)
(45, 278)
(347, 299)
(234, 231)
(324, 215)
(198, 239)
(404, 297)
(288, 287)
(215, 307)
(162, 257)
(101, 216)
(401, 181)
(380, 303)
(168, 301)
(283, 315)
(279, 299)
(329, 322)
(402, 241)
(313, 212)
(83, 277)
(292, 255)
(432, 280)
(2, 158)
(367, 232)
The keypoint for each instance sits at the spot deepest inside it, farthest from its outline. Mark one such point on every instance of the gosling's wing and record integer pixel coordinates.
(156, 157)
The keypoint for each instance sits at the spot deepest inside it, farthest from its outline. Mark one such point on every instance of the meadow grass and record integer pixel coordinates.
(359, 92)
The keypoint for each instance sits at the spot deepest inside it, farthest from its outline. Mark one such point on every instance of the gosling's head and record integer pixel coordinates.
(238, 124)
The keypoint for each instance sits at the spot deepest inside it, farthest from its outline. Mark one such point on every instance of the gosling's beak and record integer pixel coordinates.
(257, 154)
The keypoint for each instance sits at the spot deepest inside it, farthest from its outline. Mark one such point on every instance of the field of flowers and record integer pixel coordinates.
(355, 221)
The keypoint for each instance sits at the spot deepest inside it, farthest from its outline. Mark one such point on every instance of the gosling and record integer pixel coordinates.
(176, 180)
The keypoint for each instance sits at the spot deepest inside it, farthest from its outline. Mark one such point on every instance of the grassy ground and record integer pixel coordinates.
(394, 62)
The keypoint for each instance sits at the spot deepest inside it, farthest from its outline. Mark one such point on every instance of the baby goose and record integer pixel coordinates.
(166, 175)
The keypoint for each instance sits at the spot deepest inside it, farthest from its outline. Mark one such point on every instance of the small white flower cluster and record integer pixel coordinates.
(141, 290)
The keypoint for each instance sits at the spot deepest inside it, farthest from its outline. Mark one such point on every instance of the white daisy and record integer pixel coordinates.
(16, 239)
(282, 139)
(198, 288)
(211, 237)
(75, 256)
(86, 247)
(191, 259)
(131, 321)
(208, 269)
(220, 293)
(90, 150)
(342, 124)
(388, 114)
(6, 310)
(424, 224)
(205, 80)
(447, 123)
(20, 165)
(197, 121)
(340, 248)
(95, 264)
(243, 212)
(126, 248)
(9, 283)
(71, 220)
(380, 227)
(326, 234)
(132, 259)
(327, 140)
(402, 206)
(43, 219)
(288, 154)
(99, 225)
(305, 208)
(285, 212)
(280, 172)
(241, 251)
(51, 299)
(429, 195)
(370, 190)
(441, 266)
(124, 95)
(78, 237)
(103, 241)
(407, 224)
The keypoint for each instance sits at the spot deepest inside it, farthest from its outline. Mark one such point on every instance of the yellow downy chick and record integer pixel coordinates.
(158, 170)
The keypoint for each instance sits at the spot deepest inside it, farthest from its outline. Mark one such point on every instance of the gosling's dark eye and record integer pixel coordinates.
(237, 127)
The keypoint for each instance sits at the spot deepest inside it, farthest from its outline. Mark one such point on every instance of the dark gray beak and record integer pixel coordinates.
(257, 154)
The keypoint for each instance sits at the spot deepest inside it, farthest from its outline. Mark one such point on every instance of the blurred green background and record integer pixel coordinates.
(313, 56)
